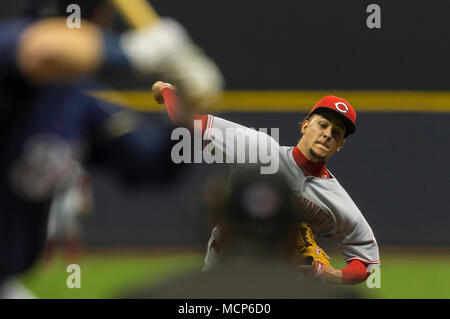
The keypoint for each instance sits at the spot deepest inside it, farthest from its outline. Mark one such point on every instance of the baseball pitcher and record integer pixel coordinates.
(329, 210)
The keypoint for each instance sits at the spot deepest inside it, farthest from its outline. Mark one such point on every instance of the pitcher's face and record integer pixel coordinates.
(323, 135)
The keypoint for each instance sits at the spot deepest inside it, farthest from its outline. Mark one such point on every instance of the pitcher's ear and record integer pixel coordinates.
(341, 145)
(303, 125)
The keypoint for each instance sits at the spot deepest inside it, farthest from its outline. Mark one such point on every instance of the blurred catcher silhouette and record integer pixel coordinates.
(258, 222)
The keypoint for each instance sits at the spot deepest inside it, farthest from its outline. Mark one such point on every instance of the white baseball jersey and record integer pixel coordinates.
(331, 212)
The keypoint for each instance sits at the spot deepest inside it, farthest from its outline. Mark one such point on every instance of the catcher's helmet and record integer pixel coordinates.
(259, 206)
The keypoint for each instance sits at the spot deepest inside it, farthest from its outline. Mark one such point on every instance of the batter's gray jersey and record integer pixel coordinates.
(331, 213)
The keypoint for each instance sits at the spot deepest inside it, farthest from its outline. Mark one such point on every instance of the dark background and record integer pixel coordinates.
(395, 167)
(322, 44)
(290, 44)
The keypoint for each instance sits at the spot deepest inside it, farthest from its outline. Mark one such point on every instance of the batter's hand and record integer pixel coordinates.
(166, 49)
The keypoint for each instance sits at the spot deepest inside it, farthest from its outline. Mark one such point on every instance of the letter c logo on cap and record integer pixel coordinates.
(337, 106)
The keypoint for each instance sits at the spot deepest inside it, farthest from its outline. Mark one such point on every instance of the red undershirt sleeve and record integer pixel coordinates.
(354, 273)
(204, 119)
(172, 103)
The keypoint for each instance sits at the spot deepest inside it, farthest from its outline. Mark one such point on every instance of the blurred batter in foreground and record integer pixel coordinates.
(49, 127)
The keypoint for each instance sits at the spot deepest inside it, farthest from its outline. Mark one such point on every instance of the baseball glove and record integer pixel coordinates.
(309, 253)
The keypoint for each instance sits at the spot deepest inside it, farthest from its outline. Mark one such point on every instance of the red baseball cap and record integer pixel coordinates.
(339, 107)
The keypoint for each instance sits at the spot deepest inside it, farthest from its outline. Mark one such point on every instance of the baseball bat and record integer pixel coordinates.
(138, 13)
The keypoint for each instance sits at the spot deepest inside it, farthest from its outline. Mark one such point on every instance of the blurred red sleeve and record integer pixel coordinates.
(354, 273)
(172, 103)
